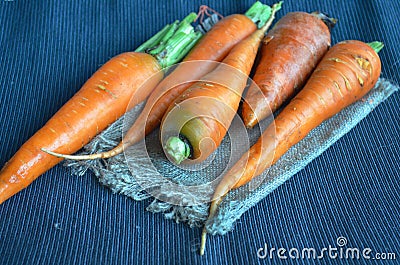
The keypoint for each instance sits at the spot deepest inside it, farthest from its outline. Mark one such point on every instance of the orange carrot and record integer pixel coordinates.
(289, 53)
(346, 73)
(198, 120)
(213, 47)
(101, 100)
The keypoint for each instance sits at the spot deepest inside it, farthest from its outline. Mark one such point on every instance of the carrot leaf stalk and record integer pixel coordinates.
(260, 13)
(171, 43)
(376, 45)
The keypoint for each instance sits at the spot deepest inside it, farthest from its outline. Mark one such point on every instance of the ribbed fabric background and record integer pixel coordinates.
(49, 49)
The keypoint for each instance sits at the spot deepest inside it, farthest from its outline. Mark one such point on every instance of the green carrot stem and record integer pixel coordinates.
(177, 48)
(173, 43)
(155, 40)
(182, 27)
(177, 149)
(260, 13)
(376, 45)
(189, 46)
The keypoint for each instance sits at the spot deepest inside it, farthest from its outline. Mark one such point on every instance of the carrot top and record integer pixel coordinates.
(260, 13)
(376, 45)
(173, 42)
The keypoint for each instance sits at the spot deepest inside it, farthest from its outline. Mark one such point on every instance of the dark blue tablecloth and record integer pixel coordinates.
(47, 51)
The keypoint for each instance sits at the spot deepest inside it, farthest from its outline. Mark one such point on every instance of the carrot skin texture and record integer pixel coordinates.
(213, 46)
(289, 53)
(100, 101)
(345, 74)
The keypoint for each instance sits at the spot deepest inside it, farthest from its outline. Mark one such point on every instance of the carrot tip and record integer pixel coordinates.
(203, 241)
(108, 154)
(52, 153)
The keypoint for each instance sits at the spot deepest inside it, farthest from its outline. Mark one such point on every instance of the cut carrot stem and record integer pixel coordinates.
(376, 45)
(259, 13)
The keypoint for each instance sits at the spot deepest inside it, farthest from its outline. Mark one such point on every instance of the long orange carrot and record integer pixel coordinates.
(213, 47)
(289, 54)
(100, 101)
(198, 120)
(346, 73)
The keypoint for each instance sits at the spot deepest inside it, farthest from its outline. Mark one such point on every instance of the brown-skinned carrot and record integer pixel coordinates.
(289, 53)
(100, 101)
(213, 47)
(198, 120)
(345, 74)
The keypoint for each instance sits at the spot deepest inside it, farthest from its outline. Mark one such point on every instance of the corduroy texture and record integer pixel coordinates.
(50, 48)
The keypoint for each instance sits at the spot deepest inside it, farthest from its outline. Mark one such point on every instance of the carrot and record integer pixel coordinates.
(198, 120)
(100, 101)
(346, 73)
(213, 47)
(289, 53)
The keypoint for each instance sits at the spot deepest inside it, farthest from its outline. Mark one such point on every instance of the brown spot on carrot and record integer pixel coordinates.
(52, 130)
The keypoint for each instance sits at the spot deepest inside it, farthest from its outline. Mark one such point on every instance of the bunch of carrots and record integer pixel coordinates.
(296, 64)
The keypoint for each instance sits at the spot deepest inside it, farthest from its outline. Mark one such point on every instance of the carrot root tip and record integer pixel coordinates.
(108, 154)
(203, 241)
